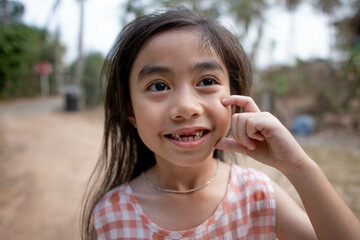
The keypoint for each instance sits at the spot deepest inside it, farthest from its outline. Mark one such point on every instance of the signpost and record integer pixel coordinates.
(44, 69)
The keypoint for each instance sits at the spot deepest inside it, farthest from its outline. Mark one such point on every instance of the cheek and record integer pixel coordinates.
(225, 119)
(221, 115)
(147, 114)
(144, 119)
(144, 115)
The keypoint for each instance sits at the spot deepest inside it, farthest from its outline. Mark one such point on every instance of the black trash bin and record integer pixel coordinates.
(71, 99)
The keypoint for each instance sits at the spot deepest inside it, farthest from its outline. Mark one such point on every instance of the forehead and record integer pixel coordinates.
(181, 45)
(176, 38)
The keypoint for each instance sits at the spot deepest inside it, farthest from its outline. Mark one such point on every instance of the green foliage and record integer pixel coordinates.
(246, 11)
(312, 86)
(21, 48)
(92, 69)
(281, 84)
(277, 81)
(19, 52)
(351, 83)
(137, 8)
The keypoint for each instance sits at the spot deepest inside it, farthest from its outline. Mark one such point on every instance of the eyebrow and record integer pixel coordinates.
(205, 65)
(149, 69)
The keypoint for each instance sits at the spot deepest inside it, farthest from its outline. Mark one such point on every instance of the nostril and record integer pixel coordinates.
(186, 110)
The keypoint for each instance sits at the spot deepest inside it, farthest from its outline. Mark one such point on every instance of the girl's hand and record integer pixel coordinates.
(261, 136)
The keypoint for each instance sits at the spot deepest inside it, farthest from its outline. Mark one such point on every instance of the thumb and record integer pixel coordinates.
(230, 144)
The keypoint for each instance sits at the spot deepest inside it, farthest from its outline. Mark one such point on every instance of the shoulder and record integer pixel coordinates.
(116, 210)
(251, 197)
(250, 177)
(114, 201)
(252, 186)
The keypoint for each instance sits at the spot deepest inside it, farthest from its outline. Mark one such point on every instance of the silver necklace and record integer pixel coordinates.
(167, 190)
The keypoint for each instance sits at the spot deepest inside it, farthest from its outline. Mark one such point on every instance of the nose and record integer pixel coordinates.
(186, 104)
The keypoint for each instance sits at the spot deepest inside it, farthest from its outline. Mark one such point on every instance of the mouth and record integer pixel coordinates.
(187, 137)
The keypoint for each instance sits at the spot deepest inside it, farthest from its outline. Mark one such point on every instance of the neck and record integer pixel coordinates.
(170, 176)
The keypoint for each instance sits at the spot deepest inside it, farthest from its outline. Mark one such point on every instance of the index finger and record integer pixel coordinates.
(247, 103)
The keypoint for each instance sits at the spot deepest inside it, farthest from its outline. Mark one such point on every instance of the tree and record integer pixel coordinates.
(245, 13)
(21, 48)
(18, 55)
(80, 60)
(90, 82)
(349, 42)
(326, 6)
(10, 12)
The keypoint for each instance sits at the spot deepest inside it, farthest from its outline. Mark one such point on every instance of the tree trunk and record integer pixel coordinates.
(80, 60)
(5, 17)
(256, 44)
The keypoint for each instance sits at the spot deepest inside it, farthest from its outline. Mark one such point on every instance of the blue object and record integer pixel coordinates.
(303, 124)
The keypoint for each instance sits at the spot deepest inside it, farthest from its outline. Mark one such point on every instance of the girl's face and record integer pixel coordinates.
(176, 86)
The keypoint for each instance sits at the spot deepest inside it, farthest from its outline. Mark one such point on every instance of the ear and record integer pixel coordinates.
(132, 120)
(131, 116)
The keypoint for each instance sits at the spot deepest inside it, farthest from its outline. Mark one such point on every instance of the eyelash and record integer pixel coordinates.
(166, 87)
(153, 84)
(215, 81)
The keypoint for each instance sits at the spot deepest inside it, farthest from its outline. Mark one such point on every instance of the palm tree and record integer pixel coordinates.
(80, 59)
(10, 12)
(58, 68)
(245, 12)
(5, 13)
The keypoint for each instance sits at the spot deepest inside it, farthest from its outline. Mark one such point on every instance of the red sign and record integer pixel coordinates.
(43, 68)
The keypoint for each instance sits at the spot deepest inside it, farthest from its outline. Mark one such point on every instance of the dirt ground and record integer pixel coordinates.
(47, 155)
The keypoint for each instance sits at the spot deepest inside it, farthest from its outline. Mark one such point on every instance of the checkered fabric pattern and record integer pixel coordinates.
(246, 212)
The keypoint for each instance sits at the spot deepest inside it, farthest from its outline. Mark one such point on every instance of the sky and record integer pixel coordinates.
(304, 34)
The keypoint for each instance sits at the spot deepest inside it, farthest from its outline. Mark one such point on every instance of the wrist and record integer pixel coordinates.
(302, 170)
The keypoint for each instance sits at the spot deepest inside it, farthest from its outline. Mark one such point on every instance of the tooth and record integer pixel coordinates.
(179, 137)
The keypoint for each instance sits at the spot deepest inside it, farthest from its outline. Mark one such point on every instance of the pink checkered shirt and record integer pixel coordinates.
(246, 212)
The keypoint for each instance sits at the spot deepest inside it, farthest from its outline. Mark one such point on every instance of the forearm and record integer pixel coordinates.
(329, 215)
(263, 137)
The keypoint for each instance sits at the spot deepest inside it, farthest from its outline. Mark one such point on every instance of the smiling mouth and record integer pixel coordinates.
(187, 137)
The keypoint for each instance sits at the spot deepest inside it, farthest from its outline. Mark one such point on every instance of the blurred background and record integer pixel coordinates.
(305, 57)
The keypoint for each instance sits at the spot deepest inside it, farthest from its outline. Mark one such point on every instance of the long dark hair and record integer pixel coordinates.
(124, 155)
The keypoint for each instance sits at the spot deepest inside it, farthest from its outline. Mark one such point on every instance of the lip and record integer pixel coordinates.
(189, 144)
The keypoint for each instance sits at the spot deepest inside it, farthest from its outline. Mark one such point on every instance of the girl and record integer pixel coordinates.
(175, 83)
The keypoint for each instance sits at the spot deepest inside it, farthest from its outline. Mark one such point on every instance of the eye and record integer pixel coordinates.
(207, 82)
(158, 87)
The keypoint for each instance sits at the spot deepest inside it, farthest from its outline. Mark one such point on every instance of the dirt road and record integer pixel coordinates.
(46, 157)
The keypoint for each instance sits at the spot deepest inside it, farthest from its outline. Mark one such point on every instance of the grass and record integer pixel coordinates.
(342, 168)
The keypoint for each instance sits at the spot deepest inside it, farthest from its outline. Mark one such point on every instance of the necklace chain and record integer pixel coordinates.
(167, 190)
